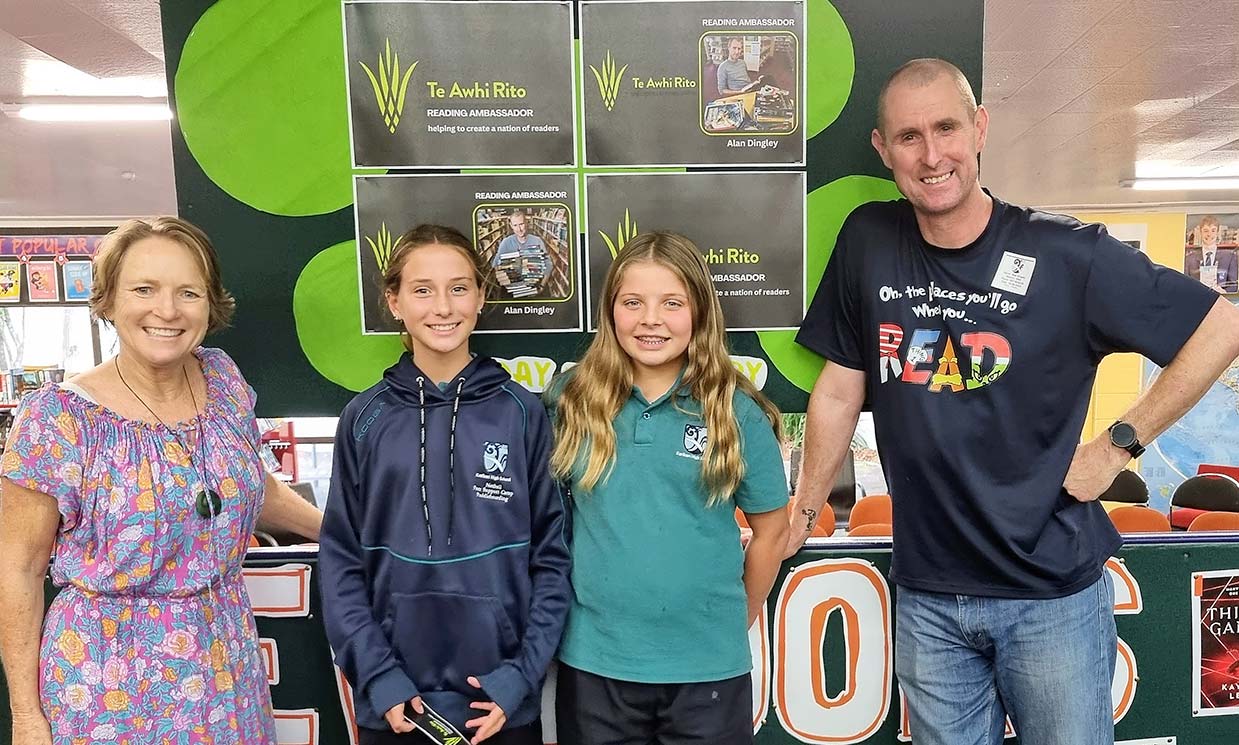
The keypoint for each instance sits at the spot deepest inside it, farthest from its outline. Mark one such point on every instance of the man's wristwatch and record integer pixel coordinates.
(1123, 436)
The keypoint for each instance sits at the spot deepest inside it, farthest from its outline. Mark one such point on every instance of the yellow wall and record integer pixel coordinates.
(1118, 378)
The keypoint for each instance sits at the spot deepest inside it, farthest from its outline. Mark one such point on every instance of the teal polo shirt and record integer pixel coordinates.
(657, 576)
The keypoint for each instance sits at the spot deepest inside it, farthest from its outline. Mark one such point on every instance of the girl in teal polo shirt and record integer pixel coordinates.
(661, 438)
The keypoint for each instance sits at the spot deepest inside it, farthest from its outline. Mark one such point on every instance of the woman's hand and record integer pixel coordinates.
(31, 728)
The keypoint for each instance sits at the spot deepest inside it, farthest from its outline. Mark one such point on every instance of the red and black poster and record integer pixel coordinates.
(1215, 642)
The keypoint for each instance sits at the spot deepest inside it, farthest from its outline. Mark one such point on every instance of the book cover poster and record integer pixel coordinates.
(79, 279)
(1215, 642)
(10, 281)
(41, 279)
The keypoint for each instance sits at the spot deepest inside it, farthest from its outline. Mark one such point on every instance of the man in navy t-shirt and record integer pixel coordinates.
(974, 329)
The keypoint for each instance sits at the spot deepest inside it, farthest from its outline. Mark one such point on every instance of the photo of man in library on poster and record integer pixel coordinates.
(528, 250)
(748, 83)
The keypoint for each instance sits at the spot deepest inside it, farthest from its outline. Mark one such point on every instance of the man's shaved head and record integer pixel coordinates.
(921, 72)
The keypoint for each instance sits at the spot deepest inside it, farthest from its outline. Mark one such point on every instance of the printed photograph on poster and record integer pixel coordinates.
(749, 227)
(521, 226)
(702, 83)
(450, 84)
(1211, 250)
(79, 276)
(1215, 642)
(10, 281)
(748, 83)
(527, 250)
(41, 281)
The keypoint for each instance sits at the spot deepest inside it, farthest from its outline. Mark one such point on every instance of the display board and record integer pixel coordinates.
(823, 650)
(300, 121)
(38, 267)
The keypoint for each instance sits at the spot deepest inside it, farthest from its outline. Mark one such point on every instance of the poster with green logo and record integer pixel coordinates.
(748, 226)
(450, 84)
(693, 83)
(523, 226)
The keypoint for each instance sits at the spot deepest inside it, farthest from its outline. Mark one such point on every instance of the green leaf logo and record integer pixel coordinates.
(608, 80)
(624, 232)
(381, 245)
(389, 86)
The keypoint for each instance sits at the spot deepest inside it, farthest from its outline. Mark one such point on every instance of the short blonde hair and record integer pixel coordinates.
(111, 255)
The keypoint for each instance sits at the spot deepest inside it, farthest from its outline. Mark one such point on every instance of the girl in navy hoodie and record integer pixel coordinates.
(444, 549)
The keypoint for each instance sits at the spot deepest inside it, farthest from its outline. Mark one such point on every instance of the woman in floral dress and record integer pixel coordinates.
(142, 479)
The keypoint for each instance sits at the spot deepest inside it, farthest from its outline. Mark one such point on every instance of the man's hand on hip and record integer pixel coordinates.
(1093, 468)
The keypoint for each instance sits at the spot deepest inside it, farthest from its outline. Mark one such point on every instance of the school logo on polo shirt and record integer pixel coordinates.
(695, 439)
(495, 457)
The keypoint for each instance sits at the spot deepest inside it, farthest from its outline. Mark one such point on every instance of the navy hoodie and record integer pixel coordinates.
(429, 576)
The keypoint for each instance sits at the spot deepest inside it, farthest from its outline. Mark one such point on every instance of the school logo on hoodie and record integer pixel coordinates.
(495, 457)
(490, 483)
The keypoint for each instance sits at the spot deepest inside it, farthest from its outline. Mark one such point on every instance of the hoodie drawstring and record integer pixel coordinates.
(451, 460)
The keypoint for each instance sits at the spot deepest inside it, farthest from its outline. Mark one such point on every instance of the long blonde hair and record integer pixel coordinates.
(602, 382)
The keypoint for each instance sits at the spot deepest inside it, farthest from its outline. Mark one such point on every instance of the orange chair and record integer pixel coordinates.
(875, 508)
(1215, 521)
(1139, 519)
(870, 529)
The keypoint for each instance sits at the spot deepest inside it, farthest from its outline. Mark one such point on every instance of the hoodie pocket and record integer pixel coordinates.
(443, 637)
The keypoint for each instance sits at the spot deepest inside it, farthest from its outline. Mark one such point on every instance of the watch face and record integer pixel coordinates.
(1123, 435)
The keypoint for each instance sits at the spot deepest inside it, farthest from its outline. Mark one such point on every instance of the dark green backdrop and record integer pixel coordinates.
(264, 254)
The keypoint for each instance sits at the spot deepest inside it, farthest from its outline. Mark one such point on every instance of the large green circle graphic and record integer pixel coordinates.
(831, 65)
(828, 206)
(260, 98)
(327, 310)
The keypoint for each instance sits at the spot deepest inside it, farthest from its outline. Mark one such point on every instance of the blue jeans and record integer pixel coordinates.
(965, 661)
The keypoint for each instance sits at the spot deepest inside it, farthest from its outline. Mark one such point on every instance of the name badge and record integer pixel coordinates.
(1014, 273)
(1208, 275)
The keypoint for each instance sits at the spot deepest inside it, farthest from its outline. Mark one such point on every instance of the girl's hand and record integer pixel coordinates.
(31, 728)
(486, 725)
(395, 715)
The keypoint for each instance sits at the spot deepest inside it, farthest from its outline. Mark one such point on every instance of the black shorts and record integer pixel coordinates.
(530, 734)
(593, 710)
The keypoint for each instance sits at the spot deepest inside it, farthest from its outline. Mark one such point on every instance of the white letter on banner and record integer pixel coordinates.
(346, 703)
(279, 592)
(296, 726)
(759, 648)
(810, 594)
(1127, 601)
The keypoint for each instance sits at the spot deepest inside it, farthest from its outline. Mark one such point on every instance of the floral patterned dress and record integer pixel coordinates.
(151, 638)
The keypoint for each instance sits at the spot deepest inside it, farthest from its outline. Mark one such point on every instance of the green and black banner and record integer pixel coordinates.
(460, 83)
(522, 225)
(693, 83)
(748, 226)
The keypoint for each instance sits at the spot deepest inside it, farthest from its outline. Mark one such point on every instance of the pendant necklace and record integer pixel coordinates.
(207, 503)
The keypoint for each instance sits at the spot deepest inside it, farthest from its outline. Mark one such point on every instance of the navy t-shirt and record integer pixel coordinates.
(979, 363)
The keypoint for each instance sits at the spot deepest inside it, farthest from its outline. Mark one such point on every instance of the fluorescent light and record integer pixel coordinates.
(95, 112)
(1182, 183)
